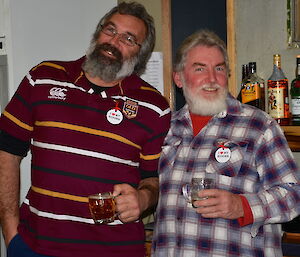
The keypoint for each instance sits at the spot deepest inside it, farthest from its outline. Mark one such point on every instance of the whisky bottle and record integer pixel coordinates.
(245, 73)
(295, 95)
(253, 89)
(278, 94)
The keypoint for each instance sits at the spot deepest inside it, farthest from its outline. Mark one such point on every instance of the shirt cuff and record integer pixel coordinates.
(248, 216)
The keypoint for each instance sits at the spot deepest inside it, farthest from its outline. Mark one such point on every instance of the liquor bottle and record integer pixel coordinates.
(253, 89)
(278, 94)
(295, 95)
(245, 72)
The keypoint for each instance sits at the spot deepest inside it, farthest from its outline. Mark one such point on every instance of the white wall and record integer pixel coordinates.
(2, 18)
(261, 31)
(37, 30)
(56, 29)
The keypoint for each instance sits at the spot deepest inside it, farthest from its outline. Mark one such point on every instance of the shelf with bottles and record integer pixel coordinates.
(252, 92)
(292, 134)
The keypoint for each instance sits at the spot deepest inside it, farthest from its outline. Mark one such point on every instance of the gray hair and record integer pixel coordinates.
(199, 38)
(139, 11)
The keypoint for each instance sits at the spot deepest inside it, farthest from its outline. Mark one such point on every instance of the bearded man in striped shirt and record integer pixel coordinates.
(92, 126)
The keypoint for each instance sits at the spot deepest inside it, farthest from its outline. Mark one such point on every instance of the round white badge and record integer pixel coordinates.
(222, 155)
(114, 116)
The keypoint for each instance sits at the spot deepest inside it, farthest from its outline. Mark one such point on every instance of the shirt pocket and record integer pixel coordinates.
(168, 153)
(233, 166)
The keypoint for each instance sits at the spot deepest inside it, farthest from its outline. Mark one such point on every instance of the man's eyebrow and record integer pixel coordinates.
(110, 23)
(203, 64)
(221, 64)
(131, 34)
(198, 64)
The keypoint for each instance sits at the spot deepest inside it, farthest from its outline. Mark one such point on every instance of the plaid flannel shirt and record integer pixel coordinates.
(261, 168)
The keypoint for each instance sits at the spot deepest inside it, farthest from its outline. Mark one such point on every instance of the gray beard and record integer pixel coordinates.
(201, 106)
(127, 68)
(106, 68)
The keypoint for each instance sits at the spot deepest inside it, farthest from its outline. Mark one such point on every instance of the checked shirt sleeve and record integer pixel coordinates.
(278, 198)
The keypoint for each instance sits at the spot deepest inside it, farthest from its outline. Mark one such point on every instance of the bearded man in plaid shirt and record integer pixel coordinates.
(257, 180)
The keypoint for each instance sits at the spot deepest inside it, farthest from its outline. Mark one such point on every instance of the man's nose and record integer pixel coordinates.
(115, 40)
(212, 76)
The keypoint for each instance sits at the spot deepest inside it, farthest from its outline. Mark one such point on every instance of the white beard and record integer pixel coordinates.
(202, 106)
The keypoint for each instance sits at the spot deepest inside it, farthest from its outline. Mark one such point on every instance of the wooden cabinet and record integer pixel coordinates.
(292, 134)
(291, 244)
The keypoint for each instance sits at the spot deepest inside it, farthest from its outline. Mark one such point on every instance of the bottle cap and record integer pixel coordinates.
(245, 70)
(277, 60)
(252, 67)
(298, 59)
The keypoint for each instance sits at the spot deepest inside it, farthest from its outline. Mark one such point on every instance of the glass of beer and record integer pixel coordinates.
(102, 207)
(190, 191)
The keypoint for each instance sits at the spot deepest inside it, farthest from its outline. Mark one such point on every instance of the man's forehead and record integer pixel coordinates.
(124, 19)
(128, 22)
(200, 55)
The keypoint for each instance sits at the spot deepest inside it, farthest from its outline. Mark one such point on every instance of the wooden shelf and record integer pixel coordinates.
(292, 134)
(293, 238)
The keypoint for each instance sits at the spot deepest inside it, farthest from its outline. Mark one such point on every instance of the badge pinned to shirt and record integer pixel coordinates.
(114, 115)
(130, 108)
(223, 154)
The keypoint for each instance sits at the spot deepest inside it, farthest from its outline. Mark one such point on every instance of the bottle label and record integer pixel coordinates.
(250, 92)
(296, 106)
(276, 100)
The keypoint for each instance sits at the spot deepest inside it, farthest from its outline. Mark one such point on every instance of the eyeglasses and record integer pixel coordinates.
(125, 38)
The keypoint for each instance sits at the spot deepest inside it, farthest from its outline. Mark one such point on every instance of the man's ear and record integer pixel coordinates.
(177, 79)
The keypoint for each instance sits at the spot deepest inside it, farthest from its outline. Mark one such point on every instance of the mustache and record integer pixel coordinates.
(109, 48)
(210, 86)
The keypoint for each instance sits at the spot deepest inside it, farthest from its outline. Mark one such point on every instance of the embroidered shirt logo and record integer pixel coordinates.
(130, 109)
(57, 93)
